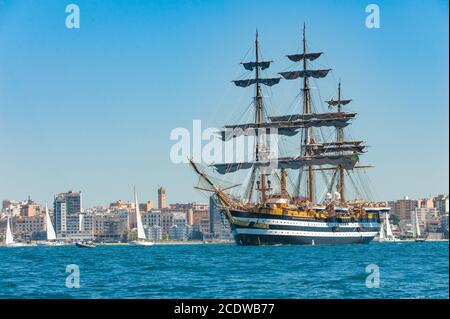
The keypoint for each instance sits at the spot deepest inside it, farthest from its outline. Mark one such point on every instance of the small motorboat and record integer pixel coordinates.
(141, 243)
(85, 244)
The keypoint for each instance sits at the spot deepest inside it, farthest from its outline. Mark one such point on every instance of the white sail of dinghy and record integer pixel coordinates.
(51, 235)
(9, 240)
(388, 227)
(382, 235)
(416, 224)
(140, 226)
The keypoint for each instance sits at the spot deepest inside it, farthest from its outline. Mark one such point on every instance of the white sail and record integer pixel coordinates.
(51, 235)
(9, 236)
(140, 226)
(382, 235)
(388, 227)
(416, 226)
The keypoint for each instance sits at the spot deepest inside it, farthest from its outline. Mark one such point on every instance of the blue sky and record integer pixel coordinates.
(92, 109)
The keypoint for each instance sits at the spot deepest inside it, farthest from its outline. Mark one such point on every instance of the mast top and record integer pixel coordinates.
(339, 102)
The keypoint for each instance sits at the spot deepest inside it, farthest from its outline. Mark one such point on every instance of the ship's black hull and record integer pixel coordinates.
(259, 240)
(253, 228)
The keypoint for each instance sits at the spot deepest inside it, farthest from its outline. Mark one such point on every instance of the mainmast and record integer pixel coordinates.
(306, 73)
(309, 133)
(340, 139)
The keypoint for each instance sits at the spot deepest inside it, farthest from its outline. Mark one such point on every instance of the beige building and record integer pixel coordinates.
(403, 207)
(121, 204)
(30, 209)
(28, 225)
(145, 207)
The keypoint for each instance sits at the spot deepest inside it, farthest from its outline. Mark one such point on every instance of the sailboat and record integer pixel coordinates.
(51, 234)
(382, 235)
(9, 239)
(386, 234)
(416, 228)
(263, 215)
(141, 238)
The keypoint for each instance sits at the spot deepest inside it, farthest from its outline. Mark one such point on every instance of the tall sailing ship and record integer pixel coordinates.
(268, 215)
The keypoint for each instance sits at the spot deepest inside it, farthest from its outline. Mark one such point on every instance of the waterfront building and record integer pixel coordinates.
(444, 225)
(30, 227)
(29, 208)
(403, 207)
(124, 217)
(11, 207)
(426, 214)
(109, 228)
(152, 218)
(121, 205)
(60, 216)
(145, 207)
(441, 203)
(195, 233)
(162, 198)
(153, 232)
(166, 221)
(218, 225)
(64, 205)
(8, 204)
(190, 216)
(195, 206)
(179, 230)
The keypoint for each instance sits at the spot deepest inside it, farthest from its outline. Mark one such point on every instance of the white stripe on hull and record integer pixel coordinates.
(304, 223)
(258, 231)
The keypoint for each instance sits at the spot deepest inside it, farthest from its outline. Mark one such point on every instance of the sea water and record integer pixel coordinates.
(375, 270)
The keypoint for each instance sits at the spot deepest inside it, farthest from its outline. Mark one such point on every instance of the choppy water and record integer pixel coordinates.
(407, 270)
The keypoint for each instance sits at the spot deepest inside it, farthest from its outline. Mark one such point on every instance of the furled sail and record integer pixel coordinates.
(321, 149)
(285, 128)
(234, 132)
(347, 161)
(247, 82)
(338, 102)
(292, 75)
(313, 116)
(307, 56)
(252, 65)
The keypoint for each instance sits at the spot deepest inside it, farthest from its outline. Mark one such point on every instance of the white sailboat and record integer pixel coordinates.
(382, 235)
(388, 236)
(416, 228)
(9, 239)
(142, 239)
(51, 234)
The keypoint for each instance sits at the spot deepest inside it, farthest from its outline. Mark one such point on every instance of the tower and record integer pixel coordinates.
(162, 200)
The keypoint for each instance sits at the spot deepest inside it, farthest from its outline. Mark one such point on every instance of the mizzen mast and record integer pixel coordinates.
(340, 142)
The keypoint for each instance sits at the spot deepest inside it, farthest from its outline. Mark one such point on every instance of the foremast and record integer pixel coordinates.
(260, 154)
(259, 119)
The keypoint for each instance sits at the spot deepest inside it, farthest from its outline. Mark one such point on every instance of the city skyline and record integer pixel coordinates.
(112, 131)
